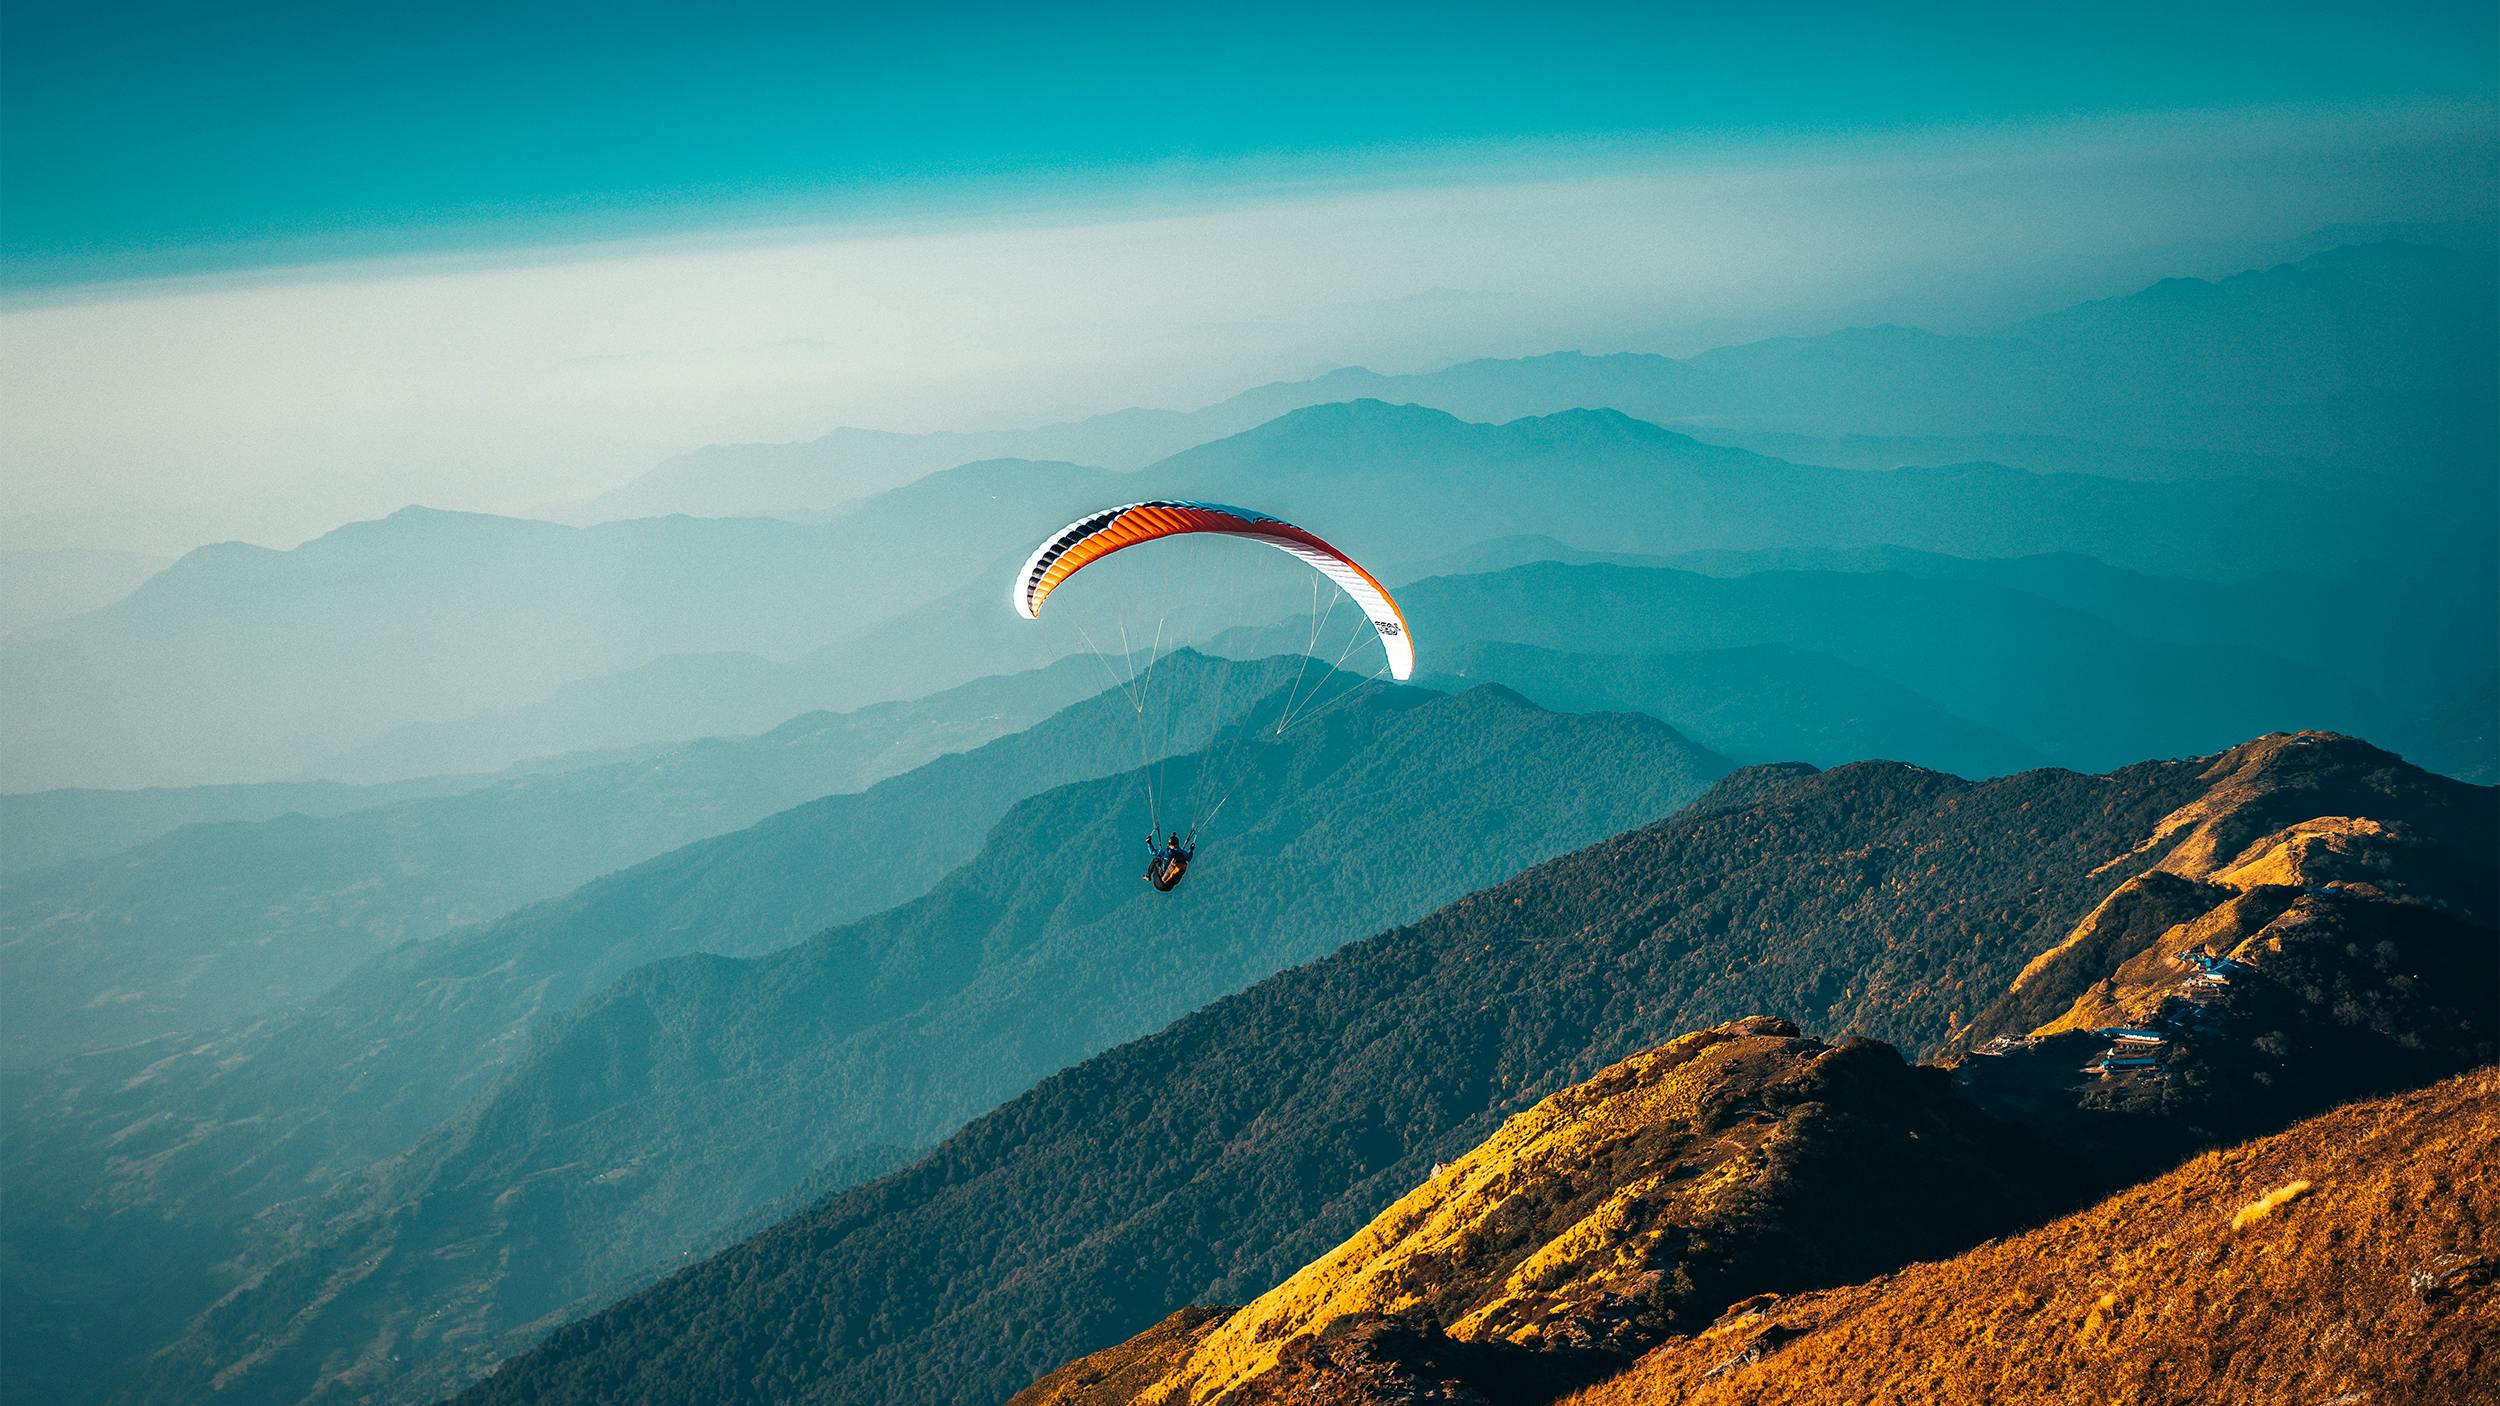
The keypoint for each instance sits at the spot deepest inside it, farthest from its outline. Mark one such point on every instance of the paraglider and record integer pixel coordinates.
(1090, 539)
(1165, 866)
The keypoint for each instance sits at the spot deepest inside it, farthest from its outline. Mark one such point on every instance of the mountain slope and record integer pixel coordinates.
(212, 925)
(2358, 949)
(697, 1090)
(2346, 1259)
(1207, 1162)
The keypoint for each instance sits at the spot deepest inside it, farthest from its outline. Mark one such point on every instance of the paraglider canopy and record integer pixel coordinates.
(1090, 539)
(1211, 578)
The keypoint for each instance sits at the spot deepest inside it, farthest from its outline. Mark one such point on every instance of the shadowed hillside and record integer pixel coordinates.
(1206, 1163)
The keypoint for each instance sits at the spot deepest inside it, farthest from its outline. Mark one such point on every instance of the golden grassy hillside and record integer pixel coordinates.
(2354, 1259)
(1727, 1162)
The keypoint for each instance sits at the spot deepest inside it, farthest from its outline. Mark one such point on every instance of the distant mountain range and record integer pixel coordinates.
(214, 924)
(1751, 703)
(430, 616)
(1593, 479)
(346, 654)
(2372, 359)
(2057, 683)
(696, 1091)
(1406, 482)
(1208, 1162)
(45, 828)
(1756, 704)
(241, 664)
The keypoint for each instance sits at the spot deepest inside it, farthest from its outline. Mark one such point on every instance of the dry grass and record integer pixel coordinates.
(2264, 1206)
(2381, 1290)
(1465, 1226)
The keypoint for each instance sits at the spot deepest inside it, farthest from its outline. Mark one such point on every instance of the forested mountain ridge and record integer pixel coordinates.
(1206, 1162)
(2334, 956)
(695, 1091)
(211, 925)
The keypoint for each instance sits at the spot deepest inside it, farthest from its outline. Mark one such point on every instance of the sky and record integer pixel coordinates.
(266, 267)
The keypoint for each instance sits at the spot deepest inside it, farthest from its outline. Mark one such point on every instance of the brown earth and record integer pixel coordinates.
(2377, 1284)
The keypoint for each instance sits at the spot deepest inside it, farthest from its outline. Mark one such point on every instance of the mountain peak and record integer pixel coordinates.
(1363, 411)
(2283, 779)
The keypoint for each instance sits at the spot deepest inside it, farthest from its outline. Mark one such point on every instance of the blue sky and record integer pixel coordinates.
(145, 138)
